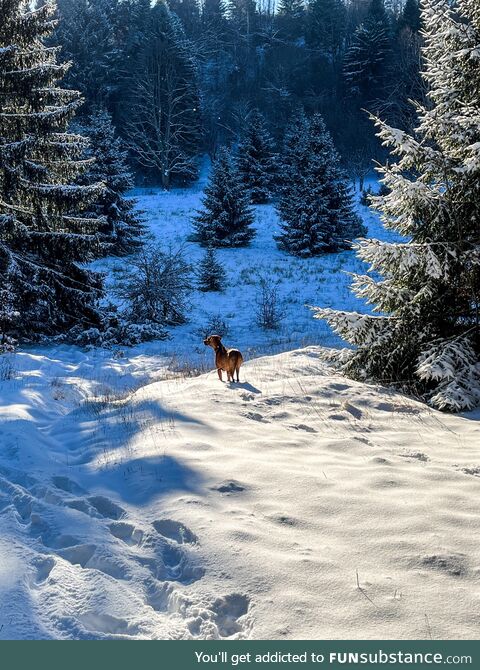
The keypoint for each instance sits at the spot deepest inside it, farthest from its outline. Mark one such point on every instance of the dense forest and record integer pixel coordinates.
(182, 78)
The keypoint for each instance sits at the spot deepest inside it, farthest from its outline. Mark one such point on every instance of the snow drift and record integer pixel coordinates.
(296, 504)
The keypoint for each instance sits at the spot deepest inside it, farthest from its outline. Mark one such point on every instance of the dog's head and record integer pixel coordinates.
(213, 341)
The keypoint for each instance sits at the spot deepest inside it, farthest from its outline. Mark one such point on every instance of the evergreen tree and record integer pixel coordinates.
(407, 84)
(164, 123)
(188, 11)
(243, 14)
(86, 33)
(294, 145)
(122, 227)
(131, 22)
(226, 217)
(42, 235)
(411, 17)
(214, 14)
(367, 60)
(257, 159)
(211, 275)
(294, 161)
(291, 19)
(426, 332)
(326, 22)
(316, 207)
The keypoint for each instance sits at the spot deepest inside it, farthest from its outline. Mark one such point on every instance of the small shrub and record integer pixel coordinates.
(269, 311)
(155, 286)
(214, 326)
(120, 332)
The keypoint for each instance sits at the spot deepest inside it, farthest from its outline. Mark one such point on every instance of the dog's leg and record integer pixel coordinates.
(238, 374)
(220, 374)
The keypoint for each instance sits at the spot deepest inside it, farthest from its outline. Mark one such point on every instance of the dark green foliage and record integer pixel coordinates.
(211, 275)
(121, 227)
(291, 19)
(367, 60)
(226, 218)
(257, 159)
(86, 31)
(43, 236)
(411, 17)
(315, 206)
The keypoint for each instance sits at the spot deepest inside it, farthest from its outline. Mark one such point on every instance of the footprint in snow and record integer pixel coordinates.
(254, 416)
(453, 564)
(474, 471)
(417, 455)
(227, 612)
(68, 485)
(351, 409)
(302, 426)
(126, 532)
(95, 622)
(43, 567)
(106, 508)
(174, 530)
(230, 486)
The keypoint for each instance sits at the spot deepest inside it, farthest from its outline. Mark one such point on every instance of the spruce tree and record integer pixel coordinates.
(86, 33)
(425, 292)
(226, 217)
(122, 226)
(316, 207)
(326, 27)
(211, 275)
(42, 235)
(257, 159)
(291, 19)
(367, 59)
(410, 17)
(294, 146)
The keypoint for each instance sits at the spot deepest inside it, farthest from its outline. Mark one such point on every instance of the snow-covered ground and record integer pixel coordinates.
(139, 501)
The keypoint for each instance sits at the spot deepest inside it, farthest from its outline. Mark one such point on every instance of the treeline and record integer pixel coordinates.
(179, 79)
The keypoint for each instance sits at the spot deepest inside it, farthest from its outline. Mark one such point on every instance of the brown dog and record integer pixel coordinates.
(229, 360)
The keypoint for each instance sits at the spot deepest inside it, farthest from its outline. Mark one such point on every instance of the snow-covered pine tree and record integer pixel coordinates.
(316, 205)
(226, 218)
(42, 236)
(426, 330)
(122, 228)
(211, 275)
(293, 163)
(257, 159)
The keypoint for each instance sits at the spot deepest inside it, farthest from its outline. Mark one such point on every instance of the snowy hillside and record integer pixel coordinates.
(296, 504)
